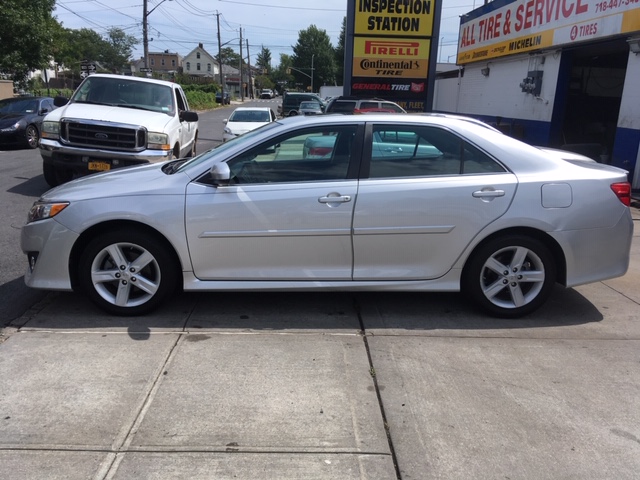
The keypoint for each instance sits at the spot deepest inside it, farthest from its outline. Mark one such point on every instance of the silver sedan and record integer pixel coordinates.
(368, 202)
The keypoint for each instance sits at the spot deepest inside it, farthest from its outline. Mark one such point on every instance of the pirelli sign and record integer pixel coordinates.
(392, 45)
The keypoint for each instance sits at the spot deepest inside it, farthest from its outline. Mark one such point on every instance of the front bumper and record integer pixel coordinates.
(77, 158)
(47, 245)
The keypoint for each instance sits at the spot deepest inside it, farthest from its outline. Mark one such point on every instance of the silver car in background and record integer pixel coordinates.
(351, 203)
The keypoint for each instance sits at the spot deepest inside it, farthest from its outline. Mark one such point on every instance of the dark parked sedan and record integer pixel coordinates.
(21, 120)
(219, 98)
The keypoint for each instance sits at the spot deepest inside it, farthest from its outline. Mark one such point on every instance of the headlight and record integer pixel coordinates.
(51, 130)
(41, 211)
(11, 128)
(158, 141)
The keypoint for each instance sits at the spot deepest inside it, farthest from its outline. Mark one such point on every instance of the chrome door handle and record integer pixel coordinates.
(335, 199)
(488, 193)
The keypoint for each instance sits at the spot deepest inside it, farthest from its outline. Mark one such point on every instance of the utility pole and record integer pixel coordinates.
(145, 31)
(241, 83)
(145, 34)
(249, 67)
(219, 54)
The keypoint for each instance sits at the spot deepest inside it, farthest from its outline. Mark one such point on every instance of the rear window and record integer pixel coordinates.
(343, 106)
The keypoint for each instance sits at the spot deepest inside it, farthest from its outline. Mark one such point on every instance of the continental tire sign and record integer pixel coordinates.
(392, 45)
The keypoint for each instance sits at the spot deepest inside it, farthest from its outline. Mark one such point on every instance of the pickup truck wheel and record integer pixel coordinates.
(50, 176)
(127, 272)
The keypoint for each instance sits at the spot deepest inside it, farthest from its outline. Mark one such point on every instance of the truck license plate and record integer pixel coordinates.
(99, 166)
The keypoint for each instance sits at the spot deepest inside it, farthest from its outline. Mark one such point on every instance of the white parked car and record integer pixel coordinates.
(245, 119)
(333, 202)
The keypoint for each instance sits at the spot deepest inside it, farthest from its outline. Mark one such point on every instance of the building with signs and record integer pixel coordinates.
(390, 50)
(562, 73)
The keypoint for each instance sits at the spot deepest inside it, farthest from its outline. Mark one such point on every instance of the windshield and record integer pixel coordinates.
(126, 93)
(249, 116)
(19, 106)
(245, 138)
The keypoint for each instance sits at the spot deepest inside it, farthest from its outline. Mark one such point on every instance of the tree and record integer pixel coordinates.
(229, 57)
(280, 76)
(26, 36)
(120, 47)
(314, 49)
(79, 45)
(340, 53)
(263, 61)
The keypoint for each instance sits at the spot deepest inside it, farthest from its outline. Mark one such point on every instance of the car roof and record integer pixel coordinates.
(253, 109)
(17, 99)
(132, 78)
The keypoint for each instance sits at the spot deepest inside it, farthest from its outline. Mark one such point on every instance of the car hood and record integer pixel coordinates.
(238, 128)
(153, 121)
(8, 119)
(129, 181)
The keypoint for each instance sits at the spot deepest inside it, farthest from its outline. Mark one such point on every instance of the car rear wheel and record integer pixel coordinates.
(510, 276)
(32, 136)
(127, 272)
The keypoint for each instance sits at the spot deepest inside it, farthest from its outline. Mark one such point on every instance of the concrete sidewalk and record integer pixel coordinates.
(325, 386)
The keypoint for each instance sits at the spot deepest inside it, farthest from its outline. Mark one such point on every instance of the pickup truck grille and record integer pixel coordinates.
(109, 137)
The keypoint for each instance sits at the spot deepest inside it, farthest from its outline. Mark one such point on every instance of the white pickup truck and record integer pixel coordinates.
(114, 121)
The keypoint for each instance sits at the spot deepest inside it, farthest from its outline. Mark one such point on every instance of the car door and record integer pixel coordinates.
(187, 129)
(285, 215)
(424, 195)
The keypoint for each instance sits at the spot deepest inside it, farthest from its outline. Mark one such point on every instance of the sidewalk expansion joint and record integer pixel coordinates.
(372, 371)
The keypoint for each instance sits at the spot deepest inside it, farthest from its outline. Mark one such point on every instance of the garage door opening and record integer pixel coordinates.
(595, 80)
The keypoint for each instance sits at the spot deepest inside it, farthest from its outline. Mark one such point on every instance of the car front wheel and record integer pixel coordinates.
(127, 272)
(32, 136)
(510, 276)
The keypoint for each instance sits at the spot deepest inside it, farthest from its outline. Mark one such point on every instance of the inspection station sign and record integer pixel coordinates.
(408, 18)
(392, 47)
(526, 25)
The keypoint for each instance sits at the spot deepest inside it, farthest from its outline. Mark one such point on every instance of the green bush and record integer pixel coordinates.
(199, 100)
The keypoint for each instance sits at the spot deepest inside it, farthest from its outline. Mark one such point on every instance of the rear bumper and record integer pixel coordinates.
(587, 261)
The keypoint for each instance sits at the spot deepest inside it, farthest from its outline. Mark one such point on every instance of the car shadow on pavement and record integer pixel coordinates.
(332, 312)
(33, 187)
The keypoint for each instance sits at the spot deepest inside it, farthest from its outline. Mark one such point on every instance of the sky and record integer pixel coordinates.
(180, 25)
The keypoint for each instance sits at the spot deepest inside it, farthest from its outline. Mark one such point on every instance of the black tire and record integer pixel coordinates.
(511, 276)
(293, 113)
(50, 175)
(135, 283)
(192, 153)
(32, 136)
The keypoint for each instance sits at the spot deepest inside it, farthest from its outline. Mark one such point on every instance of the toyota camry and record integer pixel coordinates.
(349, 203)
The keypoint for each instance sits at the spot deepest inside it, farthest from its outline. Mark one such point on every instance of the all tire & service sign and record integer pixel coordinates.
(527, 25)
(392, 46)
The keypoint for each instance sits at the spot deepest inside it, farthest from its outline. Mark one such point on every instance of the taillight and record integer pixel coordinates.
(623, 192)
(320, 151)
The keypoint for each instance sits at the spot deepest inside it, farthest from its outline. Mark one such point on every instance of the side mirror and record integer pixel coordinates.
(60, 101)
(188, 116)
(225, 121)
(220, 173)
